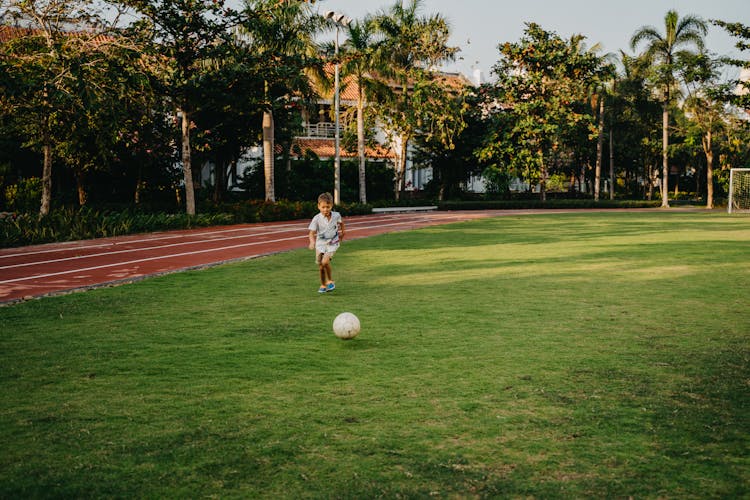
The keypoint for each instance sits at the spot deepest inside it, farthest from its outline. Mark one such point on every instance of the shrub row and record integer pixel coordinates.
(80, 224)
(531, 204)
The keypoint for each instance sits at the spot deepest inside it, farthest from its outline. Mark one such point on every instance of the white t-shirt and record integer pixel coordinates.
(327, 231)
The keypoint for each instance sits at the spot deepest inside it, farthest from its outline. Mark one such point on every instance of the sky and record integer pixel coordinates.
(479, 26)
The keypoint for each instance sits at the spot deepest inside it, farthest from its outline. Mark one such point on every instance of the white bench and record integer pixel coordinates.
(404, 209)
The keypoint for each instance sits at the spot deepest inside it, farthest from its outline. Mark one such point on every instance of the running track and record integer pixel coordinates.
(51, 269)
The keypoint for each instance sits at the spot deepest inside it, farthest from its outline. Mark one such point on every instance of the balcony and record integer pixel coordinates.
(325, 130)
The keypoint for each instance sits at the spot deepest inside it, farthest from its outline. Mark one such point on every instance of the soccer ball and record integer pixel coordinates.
(346, 326)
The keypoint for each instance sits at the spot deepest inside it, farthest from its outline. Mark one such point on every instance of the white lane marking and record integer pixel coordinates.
(103, 266)
(198, 233)
(136, 261)
(142, 249)
(288, 228)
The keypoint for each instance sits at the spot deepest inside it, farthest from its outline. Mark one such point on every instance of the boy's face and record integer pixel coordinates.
(325, 208)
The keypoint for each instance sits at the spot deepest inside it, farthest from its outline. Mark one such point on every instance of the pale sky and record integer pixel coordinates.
(478, 26)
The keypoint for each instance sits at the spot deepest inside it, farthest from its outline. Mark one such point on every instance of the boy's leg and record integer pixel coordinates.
(325, 267)
(325, 264)
(329, 277)
(323, 275)
(321, 271)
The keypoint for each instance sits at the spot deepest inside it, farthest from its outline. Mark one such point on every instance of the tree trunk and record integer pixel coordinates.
(611, 166)
(268, 155)
(708, 149)
(138, 185)
(543, 181)
(665, 156)
(599, 150)
(187, 168)
(401, 168)
(219, 179)
(46, 176)
(81, 187)
(361, 148)
(582, 181)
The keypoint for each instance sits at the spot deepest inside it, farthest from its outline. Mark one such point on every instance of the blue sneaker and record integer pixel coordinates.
(330, 286)
(322, 289)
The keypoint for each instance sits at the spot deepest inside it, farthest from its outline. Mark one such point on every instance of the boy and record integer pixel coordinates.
(326, 233)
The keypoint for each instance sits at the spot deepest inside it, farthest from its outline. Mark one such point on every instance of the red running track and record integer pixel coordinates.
(50, 269)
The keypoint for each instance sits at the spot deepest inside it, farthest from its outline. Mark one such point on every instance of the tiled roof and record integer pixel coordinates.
(325, 148)
(10, 33)
(349, 88)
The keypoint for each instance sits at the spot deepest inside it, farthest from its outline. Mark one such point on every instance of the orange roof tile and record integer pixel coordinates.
(10, 33)
(325, 148)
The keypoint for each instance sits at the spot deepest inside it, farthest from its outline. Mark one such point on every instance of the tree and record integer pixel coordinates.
(281, 34)
(180, 36)
(41, 78)
(663, 50)
(448, 148)
(634, 112)
(599, 94)
(359, 62)
(538, 102)
(704, 108)
(741, 96)
(412, 45)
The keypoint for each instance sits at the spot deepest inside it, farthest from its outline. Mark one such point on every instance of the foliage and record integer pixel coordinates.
(93, 107)
(409, 99)
(359, 61)
(280, 36)
(84, 223)
(450, 152)
(54, 73)
(664, 51)
(24, 196)
(634, 121)
(306, 178)
(741, 33)
(550, 203)
(538, 102)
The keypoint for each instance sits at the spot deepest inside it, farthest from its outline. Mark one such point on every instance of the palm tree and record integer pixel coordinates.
(412, 45)
(663, 50)
(282, 35)
(360, 63)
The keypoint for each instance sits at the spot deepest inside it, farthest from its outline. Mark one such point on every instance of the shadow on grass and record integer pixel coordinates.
(547, 229)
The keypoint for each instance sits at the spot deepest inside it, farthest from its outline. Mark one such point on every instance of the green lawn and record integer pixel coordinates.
(575, 355)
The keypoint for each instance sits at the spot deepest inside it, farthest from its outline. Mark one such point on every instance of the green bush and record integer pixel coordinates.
(17, 229)
(532, 204)
(25, 196)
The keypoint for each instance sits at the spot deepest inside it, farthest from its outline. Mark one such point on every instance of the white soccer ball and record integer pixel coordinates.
(346, 326)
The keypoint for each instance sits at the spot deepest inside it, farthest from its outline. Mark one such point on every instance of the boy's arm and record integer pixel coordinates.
(312, 235)
(342, 230)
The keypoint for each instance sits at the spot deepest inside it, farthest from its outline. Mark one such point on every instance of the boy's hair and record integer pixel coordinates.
(326, 197)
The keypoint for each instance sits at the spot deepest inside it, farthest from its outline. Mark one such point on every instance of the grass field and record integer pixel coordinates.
(575, 355)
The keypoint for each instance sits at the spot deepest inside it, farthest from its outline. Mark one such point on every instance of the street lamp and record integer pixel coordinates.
(340, 21)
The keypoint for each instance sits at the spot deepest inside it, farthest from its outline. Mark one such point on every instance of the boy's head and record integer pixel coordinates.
(325, 203)
(327, 197)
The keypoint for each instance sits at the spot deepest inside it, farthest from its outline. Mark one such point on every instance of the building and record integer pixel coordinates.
(318, 134)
